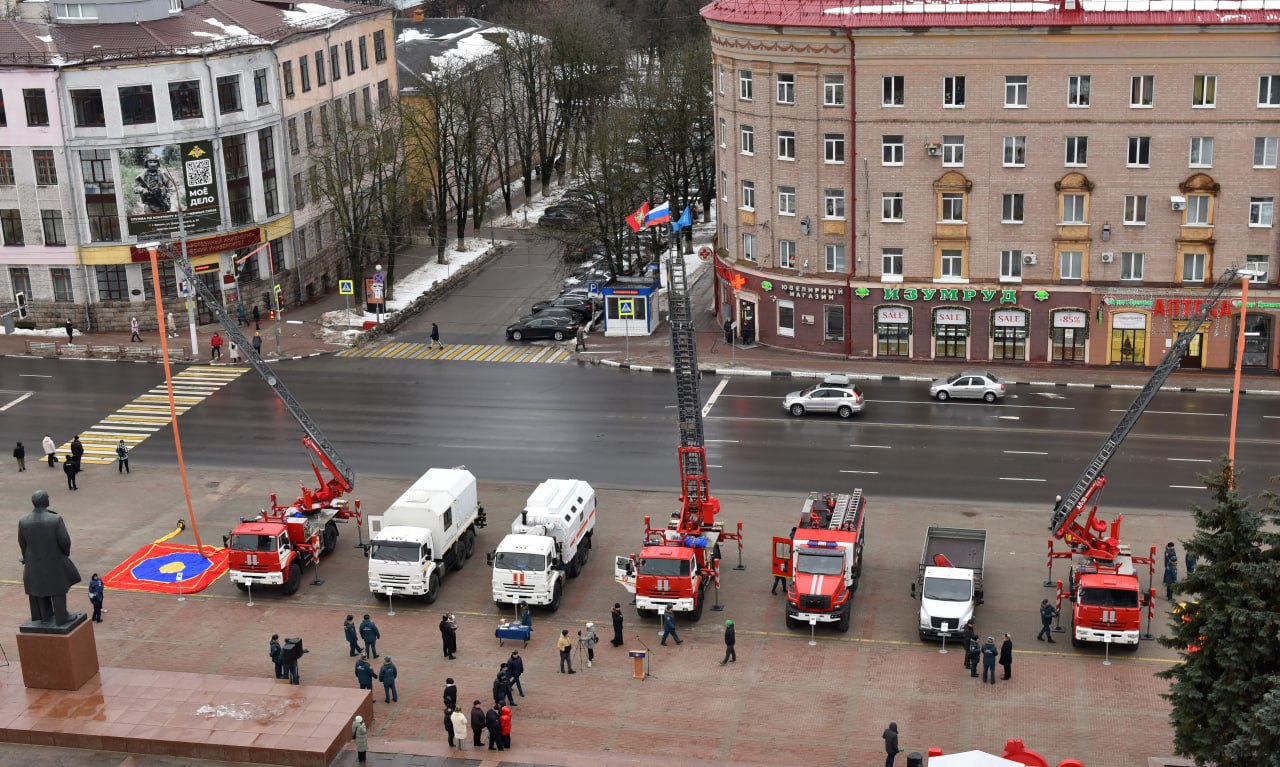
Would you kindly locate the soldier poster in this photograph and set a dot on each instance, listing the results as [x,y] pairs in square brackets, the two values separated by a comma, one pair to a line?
[159,179]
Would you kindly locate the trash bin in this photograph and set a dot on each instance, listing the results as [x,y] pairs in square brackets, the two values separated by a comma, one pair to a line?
[914,759]
[638,658]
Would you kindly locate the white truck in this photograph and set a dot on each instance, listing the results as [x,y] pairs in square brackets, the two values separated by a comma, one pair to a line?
[428,531]
[950,579]
[549,540]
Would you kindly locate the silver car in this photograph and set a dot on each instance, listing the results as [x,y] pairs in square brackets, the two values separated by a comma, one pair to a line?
[971,384]
[834,395]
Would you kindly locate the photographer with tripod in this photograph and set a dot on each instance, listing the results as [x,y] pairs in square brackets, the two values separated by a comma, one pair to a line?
[589,641]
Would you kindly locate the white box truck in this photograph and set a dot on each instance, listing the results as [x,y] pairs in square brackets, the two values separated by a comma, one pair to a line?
[428,531]
[549,540]
[950,579]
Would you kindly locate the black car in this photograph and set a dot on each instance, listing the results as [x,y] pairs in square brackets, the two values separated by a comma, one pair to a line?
[539,326]
[581,305]
[562,218]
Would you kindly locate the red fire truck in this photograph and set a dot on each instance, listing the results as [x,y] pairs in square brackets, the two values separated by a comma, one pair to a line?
[822,561]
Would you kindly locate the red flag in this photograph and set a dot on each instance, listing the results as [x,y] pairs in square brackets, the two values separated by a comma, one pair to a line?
[636,220]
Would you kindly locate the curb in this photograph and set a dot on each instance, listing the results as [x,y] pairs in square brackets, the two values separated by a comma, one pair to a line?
[175,362]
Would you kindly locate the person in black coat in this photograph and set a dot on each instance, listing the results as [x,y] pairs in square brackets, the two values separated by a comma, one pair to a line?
[974,653]
[448,724]
[493,721]
[77,449]
[71,468]
[477,723]
[387,675]
[450,695]
[277,656]
[967,637]
[448,637]
[370,634]
[890,743]
[730,637]
[20,453]
[353,639]
[364,674]
[515,668]
[1006,656]
[616,614]
[502,688]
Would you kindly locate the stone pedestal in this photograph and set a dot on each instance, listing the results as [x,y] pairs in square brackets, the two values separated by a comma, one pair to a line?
[58,661]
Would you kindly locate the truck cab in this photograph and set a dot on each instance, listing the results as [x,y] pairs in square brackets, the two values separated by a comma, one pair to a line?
[549,540]
[947,601]
[526,568]
[822,583]
[674,577]
[1106,605]
[260,554]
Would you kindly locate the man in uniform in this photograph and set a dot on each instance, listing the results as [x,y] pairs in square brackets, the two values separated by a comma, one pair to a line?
[1047,614]
[155,187]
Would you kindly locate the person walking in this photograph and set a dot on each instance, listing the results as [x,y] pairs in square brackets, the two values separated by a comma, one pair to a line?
[122,458]
[580,340]
[565,645]
[526,615]
[1047,614]
[448,636]
[501,687]
[477,723]
[277,656]
[387,675]
[50,450]
[728,331]
[257,341]
[780,578]
[974,651]
[592,640]
[493,723]
[1170,576]
[133,328]
[370,634]
[616,615]
[968,636]
[241,319]
[20,455]
[257,318]
[71,469]
[171,326]
[989,653]
[669,628]
[215,343]
[1006,656]
[891,749]
[360,734]
[515,669]
[353,639]
[504,726]
[450,694]
[95,597]
[448,724]
[459,728]
[730,637]
[77,450]
[435,337]
[234,349]
[364,674]
[71,331]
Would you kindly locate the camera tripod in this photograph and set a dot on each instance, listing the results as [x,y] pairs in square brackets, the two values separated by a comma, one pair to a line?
[580,652]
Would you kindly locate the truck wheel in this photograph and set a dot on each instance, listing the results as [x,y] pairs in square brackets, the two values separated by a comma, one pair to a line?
[845,619]
[575,564]
[456,556]
[433,589]
[558,592]
[469,544]
[329,541]
[242,586]
[1075,642]
[696,614]
[293,579]
[792,623]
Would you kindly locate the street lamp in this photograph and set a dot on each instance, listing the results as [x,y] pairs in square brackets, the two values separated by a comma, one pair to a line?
[377,292]
[1245,275]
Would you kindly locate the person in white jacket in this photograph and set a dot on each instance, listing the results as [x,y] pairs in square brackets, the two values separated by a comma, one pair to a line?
[459,728]
[49,449]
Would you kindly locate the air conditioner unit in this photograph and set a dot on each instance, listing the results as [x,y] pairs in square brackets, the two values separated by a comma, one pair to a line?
[1108,257]
[1177,203]
[933,150]
[1029,259]
[806,319]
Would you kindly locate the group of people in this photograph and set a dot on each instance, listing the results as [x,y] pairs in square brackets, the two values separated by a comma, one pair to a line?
[71,465]
[987,654]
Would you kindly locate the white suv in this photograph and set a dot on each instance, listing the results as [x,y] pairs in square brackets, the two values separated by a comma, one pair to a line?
[834,395]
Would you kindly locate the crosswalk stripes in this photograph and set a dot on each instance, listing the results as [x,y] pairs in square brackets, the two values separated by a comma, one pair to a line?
[149,413]
[461,352]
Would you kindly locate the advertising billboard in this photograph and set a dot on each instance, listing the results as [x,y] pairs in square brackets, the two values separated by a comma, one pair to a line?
[159,179]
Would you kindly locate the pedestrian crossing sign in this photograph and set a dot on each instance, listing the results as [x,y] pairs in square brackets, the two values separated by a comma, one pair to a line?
[627,308]
[347,287]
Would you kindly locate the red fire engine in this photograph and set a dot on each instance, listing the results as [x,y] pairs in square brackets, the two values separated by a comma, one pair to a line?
[822,561]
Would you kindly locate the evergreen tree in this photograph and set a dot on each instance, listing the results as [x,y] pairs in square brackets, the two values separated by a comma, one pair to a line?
[1226,690]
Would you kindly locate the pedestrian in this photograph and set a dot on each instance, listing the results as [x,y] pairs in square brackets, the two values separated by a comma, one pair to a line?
[967,637]
[730,636]
[450,694]
[592,640]
[448,636]
[172,326]
[780,578]
[515,669]
[493,722]
[364,674]
[77,450]
[257,318]
[459,728]
[989,654]
[370,634]
[435,337]
[291,668]
[387,675]
[1170,576]
[215,343]
[257,340]
[71,469]
[122,458]
[477,723]
[353,639]
[748,331]
[20,455]
[240,318]
[1006,656]
[95,597]
[277,656]
[133,328]
[1192,559]
[616,615]
[1170,553]
[1047,614]
[501,687]
[728,331]
[565,645]
[448,724]
[49,450]
[360,734]
[71,331]
[669,628]
[504,724]
[526,615]
[234,349]
[974,652]
[580,340]
[891,749]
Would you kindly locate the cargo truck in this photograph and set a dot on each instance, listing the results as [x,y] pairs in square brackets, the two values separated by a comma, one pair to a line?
[549,541]
[950,580]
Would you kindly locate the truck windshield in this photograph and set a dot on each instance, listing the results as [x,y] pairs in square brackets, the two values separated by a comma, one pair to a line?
[947,590]
[518,560]
[667,568]
[253,543]
[1108,597]
[395,551]
[819,564]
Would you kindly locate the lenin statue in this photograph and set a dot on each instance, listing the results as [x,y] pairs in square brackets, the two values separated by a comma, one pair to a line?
[47,572]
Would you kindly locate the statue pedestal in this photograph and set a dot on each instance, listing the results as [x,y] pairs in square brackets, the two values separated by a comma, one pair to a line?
[58,661]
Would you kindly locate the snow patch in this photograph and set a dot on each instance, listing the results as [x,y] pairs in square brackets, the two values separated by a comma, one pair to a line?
[313,13]
[245,711]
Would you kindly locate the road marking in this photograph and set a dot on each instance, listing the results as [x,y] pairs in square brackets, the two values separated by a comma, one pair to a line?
[461,352]
[715,395]
[16,401]
[34,375]
[1050,395]
[731,441]
[1025,452]
[967,404]
[854,471]
[1173,412]
[1009,417]
[1271,416]
[1191,460]
[875,447]
[714,466]
[1022,479]
[1188,487]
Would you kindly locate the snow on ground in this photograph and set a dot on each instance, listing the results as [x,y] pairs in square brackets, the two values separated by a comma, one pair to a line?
[530,213]
[59,333]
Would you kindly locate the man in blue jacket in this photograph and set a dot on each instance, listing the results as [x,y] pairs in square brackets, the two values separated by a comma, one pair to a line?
[364,674]
[353,640]
[370,634]
[387,675]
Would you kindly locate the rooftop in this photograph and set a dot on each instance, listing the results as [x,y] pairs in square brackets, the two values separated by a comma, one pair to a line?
[425,48]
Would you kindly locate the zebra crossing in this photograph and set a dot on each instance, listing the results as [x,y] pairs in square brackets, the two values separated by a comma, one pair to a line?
[461,352]
[149,413]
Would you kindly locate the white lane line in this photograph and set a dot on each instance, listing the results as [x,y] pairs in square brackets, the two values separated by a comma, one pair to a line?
[32,375]
[1025,452]
[875,447]
[16,401]
[1022,479]
[959,402]
[1191,460]
[751,396]
[854,471]
[1271,416]
[1173,412]
[1188,487]
[714,466]
[715,395]
[733,441]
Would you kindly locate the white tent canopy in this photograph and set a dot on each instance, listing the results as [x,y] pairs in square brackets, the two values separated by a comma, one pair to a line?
[972,759]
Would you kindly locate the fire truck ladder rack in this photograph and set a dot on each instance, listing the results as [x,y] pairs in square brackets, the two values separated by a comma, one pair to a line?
[684,357]
[846,509]
[1091,480]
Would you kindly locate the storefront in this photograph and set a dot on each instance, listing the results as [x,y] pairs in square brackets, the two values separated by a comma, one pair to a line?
[1009,335]
[951,333]
[893,332]
[1128,342]
[1141,329]
[1068,331]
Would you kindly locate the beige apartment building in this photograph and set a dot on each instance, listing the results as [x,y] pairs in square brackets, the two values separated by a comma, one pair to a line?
[1043,182]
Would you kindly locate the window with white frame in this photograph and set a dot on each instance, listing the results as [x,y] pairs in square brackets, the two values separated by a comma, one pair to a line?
[724,133]
[720,79]
[1193,267]
[953,91]
[1261,210]
[786,145]
[953,207]
[786,88]
[833,147]
[1015,151]
[1011,205]
[1077,151]
[786,200]
[724,186]
[1259,263]
[891,206]
[1139,152]
[1198,210]
[1131,265]
[744,85]
[1011,264]
[953,151]
[1070,264]
[749,195]
[79,11]
[1269,91]
[892,150]
[787,254]
[746,139]
[891,261]
[833,200]
[1204,91]
[835,258]
[1015,92]
[893,90]
[1078,91]
[749,247]
[953,263]
[1201,155]
[1135,209]
[1265,150]
[833,90]
[1073,208]
[1142,91]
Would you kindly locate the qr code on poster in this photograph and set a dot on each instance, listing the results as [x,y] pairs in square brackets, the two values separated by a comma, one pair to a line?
[199,172]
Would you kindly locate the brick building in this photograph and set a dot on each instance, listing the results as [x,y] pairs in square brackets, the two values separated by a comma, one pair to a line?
[1047,182]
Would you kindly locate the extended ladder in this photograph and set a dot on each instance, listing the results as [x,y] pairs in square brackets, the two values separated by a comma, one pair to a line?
[684,358]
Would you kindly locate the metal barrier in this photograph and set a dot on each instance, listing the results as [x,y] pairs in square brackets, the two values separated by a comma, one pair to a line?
[42,348]
[73,350]
[104,352]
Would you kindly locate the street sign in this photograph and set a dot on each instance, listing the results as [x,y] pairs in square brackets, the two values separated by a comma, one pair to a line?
[704,253]
[347,287]
[377,291]
[184,288]
[627,308]
[378,278]
[593,288]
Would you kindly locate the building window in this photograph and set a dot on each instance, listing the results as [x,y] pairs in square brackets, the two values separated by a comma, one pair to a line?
[834,203]
[1264,151]
[335,63]
[1135,209]
[891,262]
[61,279]
[953,91]
[286,74]
[720,79]
[293,135]
[1258,263]
[1193,267]
[1015,91]
[1078,91]
[1077,151]
[1139,152]
[833,90]
[892,150]
[37,106]
[20,278]
[100,196]
[724,186]
[184,99]
[1204,91]
[749,195]
[46,168]
[74,11]
[786,200]
[1070,264]
[835,258]
[747,139]
[891,206]
[1131,266]
[953,207]
[137,105]
[1261,211]
[1142,91]
[261,92]
[1269,91]
[299,192]
[384,95]
[1198,210]
[6,167]
[833,147]
[4,118]
[324,122]
[364,53]
[953,151]
[1015,151]
[787,254]
[320,79]
[724,133]
[1073,208]
[86,106]
[379,46]
[1011,208]
[309,128]
[786,145]
[832,322]
[749,247]
[235,159]
[349,51]
[367,99]
[893,90]
[953,263]
[1011,264]
[267,159]
[51,225]
[744,85]
[11,227]
[786,89]
[113,283]
[304,73]
[1201,152]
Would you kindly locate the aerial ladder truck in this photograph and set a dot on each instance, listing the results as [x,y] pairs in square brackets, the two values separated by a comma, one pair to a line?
[1102,587]
[680,561]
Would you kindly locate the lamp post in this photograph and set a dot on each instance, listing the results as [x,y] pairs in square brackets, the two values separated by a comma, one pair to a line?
[275,294]
[378,292]
[1245,275]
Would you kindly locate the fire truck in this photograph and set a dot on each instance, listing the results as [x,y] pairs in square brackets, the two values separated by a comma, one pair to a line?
[680,562]
[1103,587]
[822,561]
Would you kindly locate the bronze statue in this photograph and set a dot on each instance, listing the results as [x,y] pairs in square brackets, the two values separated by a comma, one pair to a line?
[48,572]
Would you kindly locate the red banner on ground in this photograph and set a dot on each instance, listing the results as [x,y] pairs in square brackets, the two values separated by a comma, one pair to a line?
[168,568]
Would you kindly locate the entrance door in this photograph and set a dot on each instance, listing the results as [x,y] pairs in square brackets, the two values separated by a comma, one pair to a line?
[747,321]
[1193,358]
[1128,346]
[1257,340]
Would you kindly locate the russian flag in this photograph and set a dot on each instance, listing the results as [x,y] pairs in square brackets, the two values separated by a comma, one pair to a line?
[659,215]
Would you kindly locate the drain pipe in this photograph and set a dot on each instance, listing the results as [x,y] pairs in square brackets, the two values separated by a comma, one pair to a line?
[853,192]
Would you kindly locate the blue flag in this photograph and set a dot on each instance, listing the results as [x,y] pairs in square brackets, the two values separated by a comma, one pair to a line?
[683,221]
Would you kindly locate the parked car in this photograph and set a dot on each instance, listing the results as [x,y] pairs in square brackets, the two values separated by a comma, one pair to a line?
[584,306]
[539,326]
[596,299]
[563,218]
[970,384]
[834,395]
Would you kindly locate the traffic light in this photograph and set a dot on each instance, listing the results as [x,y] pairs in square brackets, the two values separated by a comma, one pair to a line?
[271,314]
